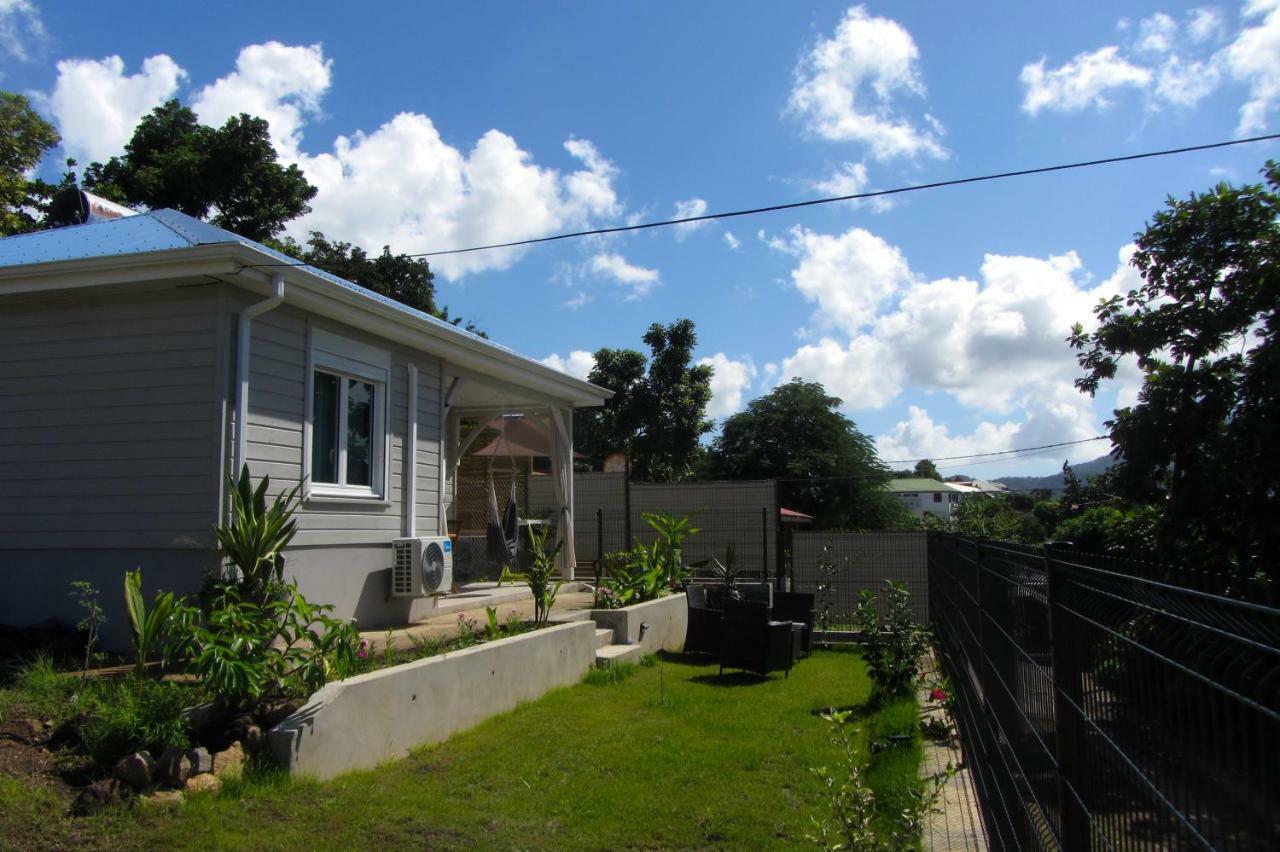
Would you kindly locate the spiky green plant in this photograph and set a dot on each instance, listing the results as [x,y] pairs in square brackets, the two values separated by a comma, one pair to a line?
[255,535]
[540,573]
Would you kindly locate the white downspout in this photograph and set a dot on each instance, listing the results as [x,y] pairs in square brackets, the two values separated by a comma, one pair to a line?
[409,489]
[243,334]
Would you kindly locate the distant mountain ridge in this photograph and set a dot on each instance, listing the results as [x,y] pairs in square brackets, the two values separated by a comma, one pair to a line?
[1054,481]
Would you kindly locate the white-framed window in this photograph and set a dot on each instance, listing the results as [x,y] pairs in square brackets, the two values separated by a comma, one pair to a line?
[345,451]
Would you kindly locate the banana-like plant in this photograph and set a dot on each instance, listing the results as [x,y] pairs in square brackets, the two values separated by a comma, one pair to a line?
[256,534]
[667,555]
[153,627]
[539,575]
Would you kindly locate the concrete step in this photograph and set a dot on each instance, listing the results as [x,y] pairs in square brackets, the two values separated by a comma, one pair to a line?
[568,616]
[612,654]
[603,638]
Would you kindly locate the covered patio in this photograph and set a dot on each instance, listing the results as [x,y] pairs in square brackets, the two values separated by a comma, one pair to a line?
[509,433]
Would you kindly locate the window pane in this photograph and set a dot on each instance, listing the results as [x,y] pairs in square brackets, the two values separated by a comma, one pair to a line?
[359,432]
[324,428]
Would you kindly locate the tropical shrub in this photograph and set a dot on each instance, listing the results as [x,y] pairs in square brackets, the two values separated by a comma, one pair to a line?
[666,555]
[254,537]
[540,575]
[633,577]
[894,642]
[246,649]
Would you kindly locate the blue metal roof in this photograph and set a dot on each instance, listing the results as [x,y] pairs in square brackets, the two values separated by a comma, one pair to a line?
[162,230]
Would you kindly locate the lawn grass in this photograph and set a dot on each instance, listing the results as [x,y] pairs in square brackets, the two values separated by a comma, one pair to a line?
[666,756]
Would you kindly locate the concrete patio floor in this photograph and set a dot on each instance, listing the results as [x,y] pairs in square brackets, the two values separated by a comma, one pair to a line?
[470,602]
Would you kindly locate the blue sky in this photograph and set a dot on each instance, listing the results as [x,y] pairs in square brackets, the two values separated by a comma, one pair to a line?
[938,318]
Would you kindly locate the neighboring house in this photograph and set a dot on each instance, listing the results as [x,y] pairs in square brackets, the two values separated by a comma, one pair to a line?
[925,496]
[131,351]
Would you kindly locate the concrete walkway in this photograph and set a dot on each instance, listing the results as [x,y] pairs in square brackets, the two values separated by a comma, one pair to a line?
[470,602]
[955,826]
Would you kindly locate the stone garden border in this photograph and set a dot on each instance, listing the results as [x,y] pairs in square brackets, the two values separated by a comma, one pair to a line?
[668,620]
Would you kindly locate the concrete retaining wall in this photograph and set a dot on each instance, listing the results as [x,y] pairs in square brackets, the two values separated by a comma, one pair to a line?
[362,721]
[668,620]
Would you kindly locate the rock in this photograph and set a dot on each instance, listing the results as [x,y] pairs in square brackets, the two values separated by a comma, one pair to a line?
[134,769]
[201,760]
[174,768]
[206,715]
[199,784]
[97,796]
[254,739]
[229,762]
[70,734]
[162,799]
[273,713]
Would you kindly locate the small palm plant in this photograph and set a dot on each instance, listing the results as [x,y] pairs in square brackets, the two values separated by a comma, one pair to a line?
[540,575]
[161,625]
[256,534]
[727,574]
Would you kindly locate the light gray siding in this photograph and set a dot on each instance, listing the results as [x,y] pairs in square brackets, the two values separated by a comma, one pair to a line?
[109,420]
[276,422]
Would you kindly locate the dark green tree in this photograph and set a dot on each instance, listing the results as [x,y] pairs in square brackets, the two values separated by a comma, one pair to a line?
[1202,327]
[408,280]
[657,415]
[927,470]
[796,432]
[24,139]
[230,172]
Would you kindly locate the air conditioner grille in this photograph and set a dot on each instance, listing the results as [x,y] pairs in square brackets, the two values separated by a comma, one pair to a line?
[402,569]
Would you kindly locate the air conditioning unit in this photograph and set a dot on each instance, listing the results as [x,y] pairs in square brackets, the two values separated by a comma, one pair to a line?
[421,567]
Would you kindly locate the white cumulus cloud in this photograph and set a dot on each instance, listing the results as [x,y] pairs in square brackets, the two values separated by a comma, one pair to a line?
[848,275]
[97,106]
[733,242]
[986,341]
[1084,82]
[729,381]
[577,363]
[1253,58]
[846,87]
[281,83]
[611,266]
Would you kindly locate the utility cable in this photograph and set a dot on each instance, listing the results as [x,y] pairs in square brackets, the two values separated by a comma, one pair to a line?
[773,208]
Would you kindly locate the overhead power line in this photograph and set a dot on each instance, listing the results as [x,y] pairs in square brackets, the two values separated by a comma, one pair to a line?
[1001,452]
[794,205]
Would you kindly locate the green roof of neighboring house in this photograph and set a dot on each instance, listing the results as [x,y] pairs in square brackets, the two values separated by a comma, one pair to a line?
[917,485]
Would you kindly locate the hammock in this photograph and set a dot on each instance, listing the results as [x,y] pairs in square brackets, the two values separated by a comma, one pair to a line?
[503,533]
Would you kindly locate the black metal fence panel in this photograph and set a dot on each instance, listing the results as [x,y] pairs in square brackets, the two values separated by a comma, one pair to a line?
[837,566]
[1101,709]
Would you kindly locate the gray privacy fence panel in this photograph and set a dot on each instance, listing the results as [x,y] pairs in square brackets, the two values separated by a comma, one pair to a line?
[743,515]
[837,566]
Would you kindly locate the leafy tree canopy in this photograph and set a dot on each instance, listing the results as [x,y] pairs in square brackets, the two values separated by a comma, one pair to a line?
[1202,327]
[924,469]
[796,432]
[228,174]
[408,280]
[658,412]
[24,139]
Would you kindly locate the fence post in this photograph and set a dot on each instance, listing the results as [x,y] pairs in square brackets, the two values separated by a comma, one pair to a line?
[626,507]
[599,545]
[779,541]
[1068,695]
[764,542]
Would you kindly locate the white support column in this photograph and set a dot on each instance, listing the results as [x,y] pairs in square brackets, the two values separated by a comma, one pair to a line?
[562,473]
